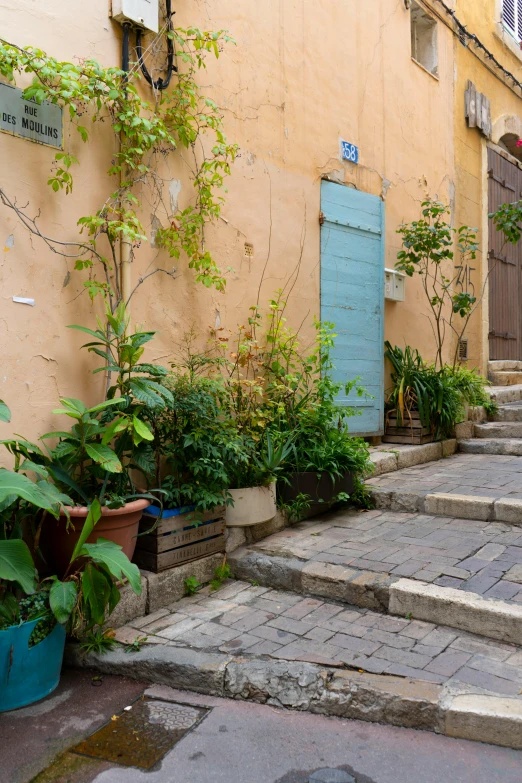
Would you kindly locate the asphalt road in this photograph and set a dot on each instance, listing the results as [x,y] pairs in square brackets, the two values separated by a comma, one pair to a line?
[236,742]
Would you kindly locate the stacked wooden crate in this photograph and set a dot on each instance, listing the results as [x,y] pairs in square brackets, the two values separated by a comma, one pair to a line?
[409,430]
[179,538]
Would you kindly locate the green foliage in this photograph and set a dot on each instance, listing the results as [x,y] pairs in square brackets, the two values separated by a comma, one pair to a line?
[296,509]
[136,645]
[221,573]
[428,250]
[5,413]
[508,220]
[98,641]
[285,400]
[438,395]
[192,586]
[196,438]
[144,133]
[361,496]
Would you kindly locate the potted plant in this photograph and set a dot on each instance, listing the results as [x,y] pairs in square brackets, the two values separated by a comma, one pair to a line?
[195,445]
[96,457]
[424,403]
[33,614]
[253,487]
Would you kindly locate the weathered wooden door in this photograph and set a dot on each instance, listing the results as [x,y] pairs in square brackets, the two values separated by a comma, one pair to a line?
[352,295]
[505,265]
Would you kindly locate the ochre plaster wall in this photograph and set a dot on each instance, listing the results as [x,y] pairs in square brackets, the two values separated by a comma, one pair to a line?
[301,76]
[471,204]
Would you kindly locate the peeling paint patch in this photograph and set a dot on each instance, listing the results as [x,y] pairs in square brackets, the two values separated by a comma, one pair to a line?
[250,158]
[386,183]
[174,191]
[9,243]
[155,225]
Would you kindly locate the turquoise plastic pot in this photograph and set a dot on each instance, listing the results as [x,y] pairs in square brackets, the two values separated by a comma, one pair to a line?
[28,674]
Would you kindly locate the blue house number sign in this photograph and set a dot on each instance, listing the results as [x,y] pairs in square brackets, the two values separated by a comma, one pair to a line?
[350,152]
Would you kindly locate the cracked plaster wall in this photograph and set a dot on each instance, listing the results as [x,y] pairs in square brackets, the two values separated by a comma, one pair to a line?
[471,146]
[301,76]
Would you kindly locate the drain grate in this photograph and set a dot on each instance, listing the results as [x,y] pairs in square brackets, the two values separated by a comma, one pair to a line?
[142,735]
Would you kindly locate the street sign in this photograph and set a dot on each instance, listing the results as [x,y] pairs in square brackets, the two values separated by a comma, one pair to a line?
[27,119]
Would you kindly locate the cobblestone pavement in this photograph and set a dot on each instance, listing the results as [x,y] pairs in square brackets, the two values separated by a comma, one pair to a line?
[486,475]
[251,620]
[481,557]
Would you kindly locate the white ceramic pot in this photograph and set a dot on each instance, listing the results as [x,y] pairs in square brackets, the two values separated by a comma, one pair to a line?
[252,506]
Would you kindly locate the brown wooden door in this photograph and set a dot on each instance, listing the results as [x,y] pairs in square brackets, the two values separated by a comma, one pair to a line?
[505,265]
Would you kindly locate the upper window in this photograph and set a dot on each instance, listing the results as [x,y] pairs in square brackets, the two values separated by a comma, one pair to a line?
[424,38]
[512,17]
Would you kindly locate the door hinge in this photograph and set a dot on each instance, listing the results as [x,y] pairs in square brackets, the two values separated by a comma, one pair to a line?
[503,335]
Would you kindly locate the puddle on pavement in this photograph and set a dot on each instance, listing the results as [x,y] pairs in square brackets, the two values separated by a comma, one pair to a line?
[142,735]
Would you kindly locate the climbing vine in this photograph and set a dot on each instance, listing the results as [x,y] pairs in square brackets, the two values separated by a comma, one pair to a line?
[146,132]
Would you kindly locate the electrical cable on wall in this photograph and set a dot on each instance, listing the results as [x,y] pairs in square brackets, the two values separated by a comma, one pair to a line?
[161,83]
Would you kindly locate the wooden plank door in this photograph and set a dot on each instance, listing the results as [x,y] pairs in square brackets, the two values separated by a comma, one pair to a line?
[505,264]
[352,296]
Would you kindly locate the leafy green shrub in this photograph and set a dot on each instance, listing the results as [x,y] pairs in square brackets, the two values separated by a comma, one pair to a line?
[438,395]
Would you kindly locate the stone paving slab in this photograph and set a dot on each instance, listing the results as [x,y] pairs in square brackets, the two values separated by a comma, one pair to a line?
[481,557]
[334,635]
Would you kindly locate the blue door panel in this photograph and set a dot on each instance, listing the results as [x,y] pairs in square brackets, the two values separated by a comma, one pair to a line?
[352,296]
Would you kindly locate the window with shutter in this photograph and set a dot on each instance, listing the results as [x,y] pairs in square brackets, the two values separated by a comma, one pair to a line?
[512,17]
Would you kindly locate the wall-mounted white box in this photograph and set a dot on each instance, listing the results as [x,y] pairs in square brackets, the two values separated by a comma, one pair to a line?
[144,13]
[394,285]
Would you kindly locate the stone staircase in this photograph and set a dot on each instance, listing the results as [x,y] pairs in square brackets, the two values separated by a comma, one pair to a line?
[502,435]
[506,377]
[409,614]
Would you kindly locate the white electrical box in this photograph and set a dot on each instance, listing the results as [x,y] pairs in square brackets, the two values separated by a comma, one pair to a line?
[143,13]
[394,285]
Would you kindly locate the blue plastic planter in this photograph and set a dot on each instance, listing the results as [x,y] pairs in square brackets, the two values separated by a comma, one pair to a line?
[28,674]
[154,511]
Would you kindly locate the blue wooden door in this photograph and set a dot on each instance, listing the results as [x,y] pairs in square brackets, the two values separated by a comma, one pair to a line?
[352,296]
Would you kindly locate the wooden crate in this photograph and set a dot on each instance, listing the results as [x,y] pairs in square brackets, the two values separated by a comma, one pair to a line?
[410,432]
[177,540]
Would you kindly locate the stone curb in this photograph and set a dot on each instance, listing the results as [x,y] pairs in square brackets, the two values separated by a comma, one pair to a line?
[326,580]
[495,430]
[505,394]
[484,509]
[396,701]
[506,446]
[458,609]
[388,460]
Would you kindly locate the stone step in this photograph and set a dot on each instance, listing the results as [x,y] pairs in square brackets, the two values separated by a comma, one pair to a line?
[482,445]
[464,506]
[498,430]
[510,412]
[505,394]
[272,646]
[504,364]
[506,378]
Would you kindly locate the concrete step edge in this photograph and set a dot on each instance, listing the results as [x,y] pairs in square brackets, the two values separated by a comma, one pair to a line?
[320,689]
[505,394]
[474,507]
[492,618]
[502,446]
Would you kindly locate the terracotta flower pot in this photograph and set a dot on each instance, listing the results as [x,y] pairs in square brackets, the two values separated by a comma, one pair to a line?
[116,524]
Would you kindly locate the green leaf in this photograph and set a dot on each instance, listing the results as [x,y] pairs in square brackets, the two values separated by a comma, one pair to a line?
[98,333]
[40,470]
[105,404]
[5,413]
[16,564]
[19,485]
[62,599]
[141,429]
[96,592]
[111,555]
[104,456]
[88,526]
[116,426]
